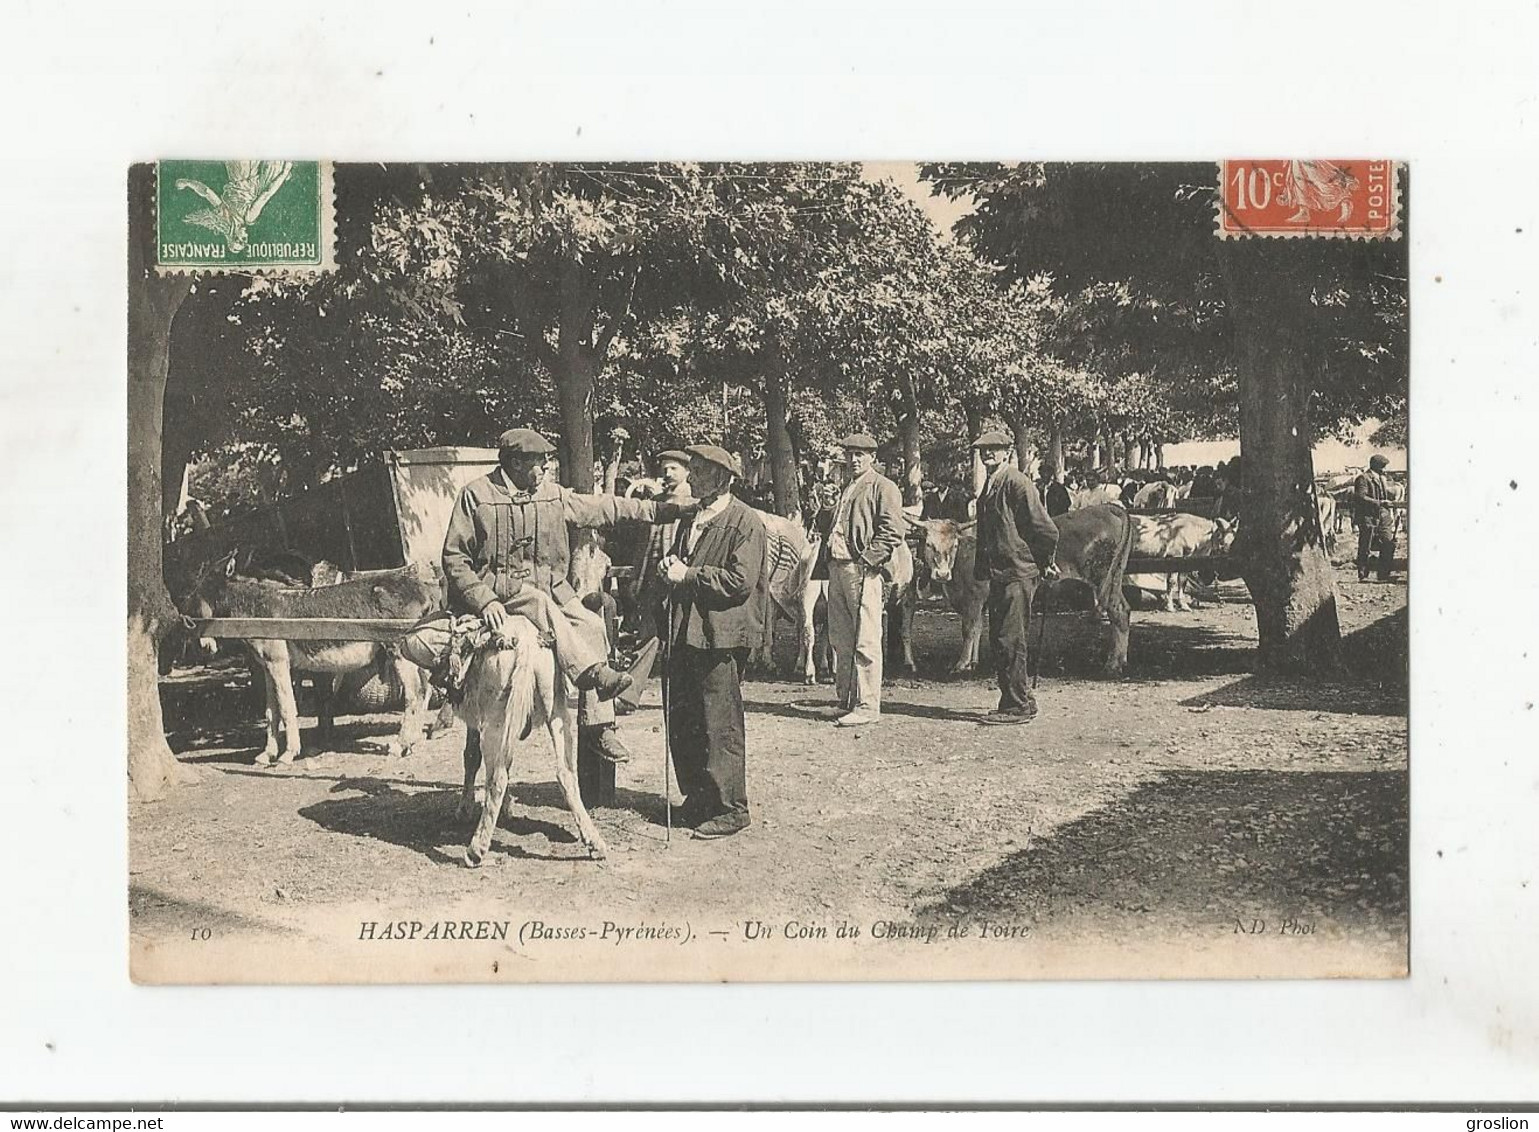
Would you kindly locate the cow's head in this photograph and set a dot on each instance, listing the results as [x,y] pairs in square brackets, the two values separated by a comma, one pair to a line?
[939,552]
[1222,539]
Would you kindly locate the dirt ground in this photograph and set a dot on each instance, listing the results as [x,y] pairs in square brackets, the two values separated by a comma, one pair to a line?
[1189,803]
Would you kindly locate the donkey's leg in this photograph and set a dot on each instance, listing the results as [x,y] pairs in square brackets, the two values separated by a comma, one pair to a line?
[467,806]
[283,685]
[414,714]
[496,789]
[269,752]
[563,737]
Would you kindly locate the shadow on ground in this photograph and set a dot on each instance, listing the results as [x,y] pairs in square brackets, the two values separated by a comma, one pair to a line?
[426,821]
[1372,678]
[1206,846]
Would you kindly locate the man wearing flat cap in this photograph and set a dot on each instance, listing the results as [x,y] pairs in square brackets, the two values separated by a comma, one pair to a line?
[713,571]
[508,552]
[1016,542]
[1375,522]
[868,525]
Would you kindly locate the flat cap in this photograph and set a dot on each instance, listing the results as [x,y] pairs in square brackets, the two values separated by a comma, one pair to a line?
[994,439]
[677,455]
[718,456]
[1378,462]
[526,441]
[859,441]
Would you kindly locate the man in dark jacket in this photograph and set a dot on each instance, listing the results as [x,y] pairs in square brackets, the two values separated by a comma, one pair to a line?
[1016,540]
[1375,522]
[712,572]
[1056,496]
[508,551]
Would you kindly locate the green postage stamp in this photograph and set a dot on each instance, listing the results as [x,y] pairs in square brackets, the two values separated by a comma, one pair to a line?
[223,216]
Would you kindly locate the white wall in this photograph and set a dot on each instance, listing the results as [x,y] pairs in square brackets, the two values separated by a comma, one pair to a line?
[1329,455]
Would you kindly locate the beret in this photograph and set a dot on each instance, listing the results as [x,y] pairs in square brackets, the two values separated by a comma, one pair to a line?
[526,441]
[711,454]
[994,439]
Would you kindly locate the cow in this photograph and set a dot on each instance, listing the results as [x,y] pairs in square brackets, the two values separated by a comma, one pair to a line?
[1092,496]
[1326,505]
[946,555]
[1093,547]
[789,556]
[1177,535]
[512,686]
[399,593]
[1157,495]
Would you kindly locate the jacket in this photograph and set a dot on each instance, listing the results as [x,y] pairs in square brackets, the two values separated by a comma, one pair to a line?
[499,539]
[717,604]
[1016,535]
[1370,491]
[876,521]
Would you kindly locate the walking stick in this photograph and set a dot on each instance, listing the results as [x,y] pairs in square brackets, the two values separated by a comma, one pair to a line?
[1047,593]
[667,741]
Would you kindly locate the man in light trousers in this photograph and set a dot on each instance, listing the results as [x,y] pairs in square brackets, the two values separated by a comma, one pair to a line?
[868,526]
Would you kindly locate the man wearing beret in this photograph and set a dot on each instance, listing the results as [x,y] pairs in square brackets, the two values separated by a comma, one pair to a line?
[867,527]
[713,570]
[508,551]
[1375,523]
[1016,542]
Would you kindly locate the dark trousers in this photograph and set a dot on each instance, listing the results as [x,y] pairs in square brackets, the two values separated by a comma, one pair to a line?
[1370,537]
[705,728]
[1009,616]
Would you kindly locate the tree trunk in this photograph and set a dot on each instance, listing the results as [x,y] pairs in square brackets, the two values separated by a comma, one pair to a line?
[1136,454]
[152,304]
[782,456]
[913,472]
[1055,449]
[1159,455]
[1287,569]
[1022,442]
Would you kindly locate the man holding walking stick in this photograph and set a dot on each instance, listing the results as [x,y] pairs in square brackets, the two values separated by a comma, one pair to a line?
[712,571]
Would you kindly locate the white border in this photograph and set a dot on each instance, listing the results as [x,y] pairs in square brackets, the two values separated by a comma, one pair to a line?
[87,90]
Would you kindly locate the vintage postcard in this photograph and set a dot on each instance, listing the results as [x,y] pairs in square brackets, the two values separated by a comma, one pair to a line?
[704,571]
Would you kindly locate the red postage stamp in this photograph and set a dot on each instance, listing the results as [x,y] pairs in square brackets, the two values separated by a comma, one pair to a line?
[1332,199]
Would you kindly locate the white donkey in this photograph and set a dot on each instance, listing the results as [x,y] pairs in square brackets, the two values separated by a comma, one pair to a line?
[513,687]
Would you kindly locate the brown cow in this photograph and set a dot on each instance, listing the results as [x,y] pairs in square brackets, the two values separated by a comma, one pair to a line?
[947,554]
[391,594]
[1093,547]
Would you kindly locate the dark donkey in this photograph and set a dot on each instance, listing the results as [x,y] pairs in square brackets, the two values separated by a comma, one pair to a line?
[402,593]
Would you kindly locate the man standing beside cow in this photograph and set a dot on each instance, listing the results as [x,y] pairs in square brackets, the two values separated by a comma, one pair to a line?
[1016,542]
[1375,521]
[868,526]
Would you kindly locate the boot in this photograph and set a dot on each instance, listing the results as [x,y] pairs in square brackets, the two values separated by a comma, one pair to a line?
[604,680]
[605,742]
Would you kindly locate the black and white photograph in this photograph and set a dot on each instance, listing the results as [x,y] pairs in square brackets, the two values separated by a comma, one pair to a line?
[687,571]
